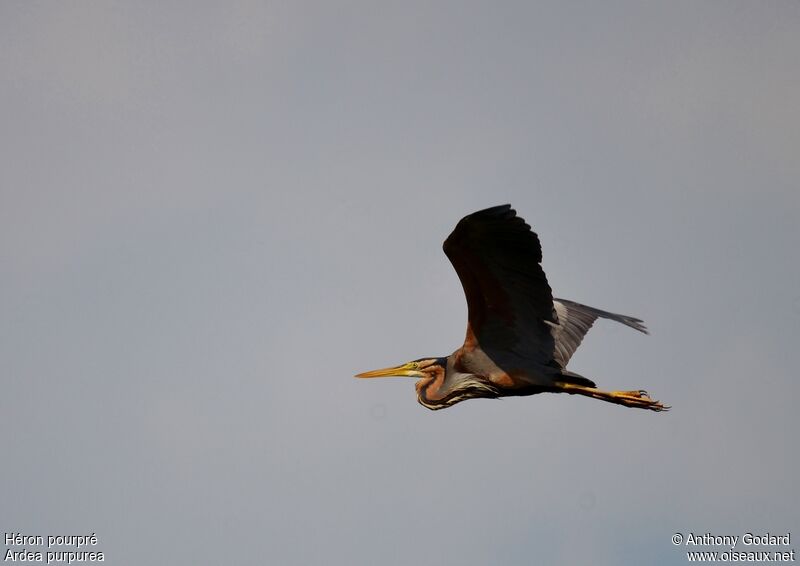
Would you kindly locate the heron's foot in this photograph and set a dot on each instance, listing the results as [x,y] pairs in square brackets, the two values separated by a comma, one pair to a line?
[638,399]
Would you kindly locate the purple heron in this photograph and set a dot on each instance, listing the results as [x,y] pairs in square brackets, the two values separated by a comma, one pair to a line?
[519,338]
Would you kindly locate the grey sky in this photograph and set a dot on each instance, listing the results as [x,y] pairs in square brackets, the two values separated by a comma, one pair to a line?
[213,214]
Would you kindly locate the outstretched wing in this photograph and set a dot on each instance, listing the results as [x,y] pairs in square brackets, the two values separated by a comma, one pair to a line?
[575,320]
[497,258]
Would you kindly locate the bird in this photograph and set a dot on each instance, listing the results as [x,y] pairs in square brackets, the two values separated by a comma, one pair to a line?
[519,338]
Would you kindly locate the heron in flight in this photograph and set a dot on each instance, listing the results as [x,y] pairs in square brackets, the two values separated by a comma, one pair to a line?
[519,338]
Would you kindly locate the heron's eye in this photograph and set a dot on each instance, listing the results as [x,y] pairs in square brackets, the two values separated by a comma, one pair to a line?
[413,365]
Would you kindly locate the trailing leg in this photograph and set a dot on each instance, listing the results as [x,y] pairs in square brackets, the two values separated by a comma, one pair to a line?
[638,399]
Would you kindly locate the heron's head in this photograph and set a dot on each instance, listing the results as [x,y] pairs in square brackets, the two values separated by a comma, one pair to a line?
[422,368]
[435,388]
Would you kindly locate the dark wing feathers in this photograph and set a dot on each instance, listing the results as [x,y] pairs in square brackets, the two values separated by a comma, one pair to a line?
[497,257]
[511,308]
[575,320]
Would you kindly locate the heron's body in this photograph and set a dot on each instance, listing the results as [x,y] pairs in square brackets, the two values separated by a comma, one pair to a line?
[519,338]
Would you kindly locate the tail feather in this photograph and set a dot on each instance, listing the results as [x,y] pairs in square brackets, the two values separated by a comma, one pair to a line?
[572,377]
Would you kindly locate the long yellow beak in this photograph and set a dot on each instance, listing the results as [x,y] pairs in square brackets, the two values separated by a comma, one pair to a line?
[406,370]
